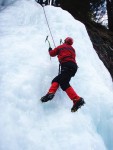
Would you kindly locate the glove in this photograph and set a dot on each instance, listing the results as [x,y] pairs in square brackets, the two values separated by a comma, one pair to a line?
[49,49]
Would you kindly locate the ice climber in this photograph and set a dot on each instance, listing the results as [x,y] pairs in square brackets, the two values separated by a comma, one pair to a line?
[67,58]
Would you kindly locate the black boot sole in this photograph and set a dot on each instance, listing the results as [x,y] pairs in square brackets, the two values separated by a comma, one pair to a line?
[46,99]
[81,103]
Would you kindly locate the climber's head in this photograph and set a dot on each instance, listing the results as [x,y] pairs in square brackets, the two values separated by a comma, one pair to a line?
[69,41]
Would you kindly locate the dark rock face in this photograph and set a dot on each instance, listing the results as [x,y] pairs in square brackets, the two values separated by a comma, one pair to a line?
[102,40]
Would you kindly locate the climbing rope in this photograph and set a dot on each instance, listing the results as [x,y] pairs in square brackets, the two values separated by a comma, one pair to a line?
[49,26]
[51,36]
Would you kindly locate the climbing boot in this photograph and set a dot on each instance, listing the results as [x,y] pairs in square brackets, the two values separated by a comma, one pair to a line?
[47,97]
[77,104]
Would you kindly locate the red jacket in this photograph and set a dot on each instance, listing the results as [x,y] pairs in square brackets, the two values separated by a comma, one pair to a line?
[64,53]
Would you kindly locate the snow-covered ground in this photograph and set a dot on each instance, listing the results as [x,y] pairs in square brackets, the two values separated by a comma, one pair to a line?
[26,72]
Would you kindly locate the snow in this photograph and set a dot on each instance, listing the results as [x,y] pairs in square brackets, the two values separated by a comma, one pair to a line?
[26,71]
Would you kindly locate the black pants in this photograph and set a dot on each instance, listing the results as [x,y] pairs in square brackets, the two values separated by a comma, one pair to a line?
[68,70]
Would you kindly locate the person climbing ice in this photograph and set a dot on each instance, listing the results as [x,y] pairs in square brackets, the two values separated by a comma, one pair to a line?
[67,58]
